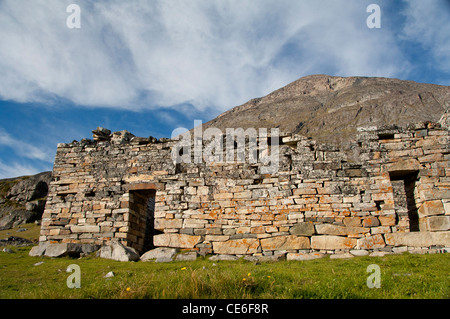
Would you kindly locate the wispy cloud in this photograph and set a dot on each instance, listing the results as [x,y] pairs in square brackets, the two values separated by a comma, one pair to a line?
[23,149]
[16,169]
[427,23]
[211,54]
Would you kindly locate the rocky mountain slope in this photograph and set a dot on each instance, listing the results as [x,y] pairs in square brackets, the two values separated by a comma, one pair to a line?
[329,109]
[22,199]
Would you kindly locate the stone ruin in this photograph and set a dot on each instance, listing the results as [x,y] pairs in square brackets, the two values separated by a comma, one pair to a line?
[389,193]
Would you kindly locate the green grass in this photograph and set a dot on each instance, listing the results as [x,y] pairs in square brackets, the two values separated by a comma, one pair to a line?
[31,233]
[402,276]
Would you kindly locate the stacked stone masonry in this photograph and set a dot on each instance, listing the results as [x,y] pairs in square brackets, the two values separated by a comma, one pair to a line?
[389,189]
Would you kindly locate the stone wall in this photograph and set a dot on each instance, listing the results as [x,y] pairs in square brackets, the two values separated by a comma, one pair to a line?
[389,189]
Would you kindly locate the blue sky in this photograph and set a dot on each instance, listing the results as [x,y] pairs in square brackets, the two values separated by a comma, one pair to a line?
[152,66]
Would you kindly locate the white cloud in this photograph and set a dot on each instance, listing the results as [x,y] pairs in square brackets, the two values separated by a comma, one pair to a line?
[141,54]
[427,23]
[23,149]
[15,170]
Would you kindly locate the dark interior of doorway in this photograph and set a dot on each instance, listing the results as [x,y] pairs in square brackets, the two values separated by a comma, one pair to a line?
[404,185]
[142,207]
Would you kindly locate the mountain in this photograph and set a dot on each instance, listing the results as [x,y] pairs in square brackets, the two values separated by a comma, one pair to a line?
[329,109]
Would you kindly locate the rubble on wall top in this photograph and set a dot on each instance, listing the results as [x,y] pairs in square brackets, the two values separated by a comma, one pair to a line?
[101,134]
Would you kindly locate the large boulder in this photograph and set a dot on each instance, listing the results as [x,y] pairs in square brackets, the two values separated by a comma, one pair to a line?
[117,251]
[15,217]
[62,249]
[160,254]
[101,134]
[31,188]
[38,251]
[15,241]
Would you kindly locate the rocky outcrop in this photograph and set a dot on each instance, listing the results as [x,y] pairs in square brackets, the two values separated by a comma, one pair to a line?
[62,249]
[22,200]
[30,188]
[115,250]
[160,254]
[445,119]
[15,241]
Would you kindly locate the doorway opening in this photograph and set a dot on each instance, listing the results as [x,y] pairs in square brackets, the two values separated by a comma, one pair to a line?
[404,186]
[142,219]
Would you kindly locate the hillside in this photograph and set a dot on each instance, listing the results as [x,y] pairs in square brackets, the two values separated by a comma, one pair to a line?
[22,199]
[329,108]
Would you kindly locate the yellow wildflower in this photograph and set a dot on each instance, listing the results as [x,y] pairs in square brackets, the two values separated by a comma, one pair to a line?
[184,268]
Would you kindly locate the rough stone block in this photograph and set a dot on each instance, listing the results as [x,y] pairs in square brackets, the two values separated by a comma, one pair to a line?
[303,229]
[330,229]
[418,239]
[352,221]
[85,229]
[342,256]
[176,240]
[223,196]
[447,208]
[304,191]
[64,249]
[285,243]
[223,257]
[161,224]
[380,230]
[371,242]
[194,223]
[159,253]
[209,238]
[304,256]
[332,242]
[39,250]
[382,196]
[434,194]
[115,250]
[404,165]
[387,220]
[359,252]
[242,246]
[370,221]
[188,256]
[429,208]
[438,223]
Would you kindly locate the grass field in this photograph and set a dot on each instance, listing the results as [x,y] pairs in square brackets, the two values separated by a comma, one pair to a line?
[31,232]
[402,276]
